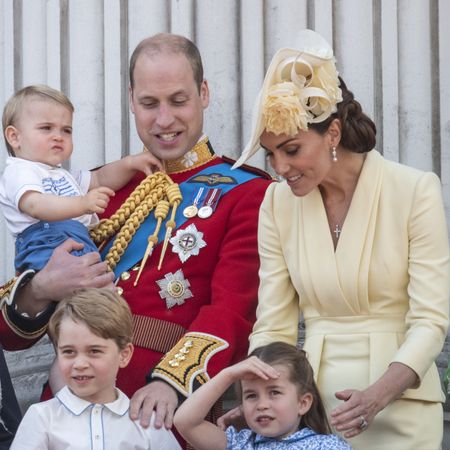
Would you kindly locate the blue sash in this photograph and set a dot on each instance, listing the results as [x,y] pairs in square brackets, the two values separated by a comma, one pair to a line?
[218,176]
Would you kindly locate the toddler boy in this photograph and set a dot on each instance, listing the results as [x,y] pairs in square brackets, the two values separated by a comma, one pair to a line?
[43,203]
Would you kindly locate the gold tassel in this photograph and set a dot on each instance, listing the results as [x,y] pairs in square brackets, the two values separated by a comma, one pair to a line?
[160,213]
[175,197]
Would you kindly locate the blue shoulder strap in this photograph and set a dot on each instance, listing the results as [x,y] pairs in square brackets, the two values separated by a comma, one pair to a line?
[218,176]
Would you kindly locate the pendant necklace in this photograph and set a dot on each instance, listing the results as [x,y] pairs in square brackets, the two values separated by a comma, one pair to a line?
[337,231]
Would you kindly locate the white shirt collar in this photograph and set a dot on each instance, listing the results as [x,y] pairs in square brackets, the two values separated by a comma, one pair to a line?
[77,405]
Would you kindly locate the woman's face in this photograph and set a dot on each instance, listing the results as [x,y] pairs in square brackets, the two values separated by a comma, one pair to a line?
[303,160]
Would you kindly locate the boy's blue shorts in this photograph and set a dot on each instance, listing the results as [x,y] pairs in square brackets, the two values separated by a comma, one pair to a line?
[35,245]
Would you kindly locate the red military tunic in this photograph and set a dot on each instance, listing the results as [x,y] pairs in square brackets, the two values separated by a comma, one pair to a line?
[208,328]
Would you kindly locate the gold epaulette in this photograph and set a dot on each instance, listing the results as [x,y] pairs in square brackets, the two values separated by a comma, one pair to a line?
[187,361]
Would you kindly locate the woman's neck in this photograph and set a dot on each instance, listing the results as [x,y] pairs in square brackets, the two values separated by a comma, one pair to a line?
[340,184]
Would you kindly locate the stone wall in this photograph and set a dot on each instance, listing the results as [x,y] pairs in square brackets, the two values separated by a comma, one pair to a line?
[29,371]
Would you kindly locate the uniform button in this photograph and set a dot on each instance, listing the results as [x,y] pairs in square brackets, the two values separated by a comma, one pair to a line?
[119,290]
[125,276]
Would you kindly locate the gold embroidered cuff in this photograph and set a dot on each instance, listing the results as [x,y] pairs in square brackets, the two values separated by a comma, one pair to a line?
[188,360]
[21,324]
[8,290]
[32,334]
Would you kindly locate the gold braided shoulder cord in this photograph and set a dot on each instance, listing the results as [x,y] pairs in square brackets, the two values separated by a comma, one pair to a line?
[156,189]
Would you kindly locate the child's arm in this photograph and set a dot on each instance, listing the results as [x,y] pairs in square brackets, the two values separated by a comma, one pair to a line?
[117,174]
[51,207]
[190,418]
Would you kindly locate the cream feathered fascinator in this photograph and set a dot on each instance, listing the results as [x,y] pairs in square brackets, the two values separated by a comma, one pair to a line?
[301,86]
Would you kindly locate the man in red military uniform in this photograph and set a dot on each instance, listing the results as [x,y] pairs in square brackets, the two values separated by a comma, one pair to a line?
[193,315]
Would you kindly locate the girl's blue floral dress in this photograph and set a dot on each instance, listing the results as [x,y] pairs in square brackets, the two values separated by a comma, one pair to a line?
[304,439]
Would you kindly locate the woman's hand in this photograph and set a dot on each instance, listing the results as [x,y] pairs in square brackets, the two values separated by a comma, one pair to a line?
[357,412]
[361,407]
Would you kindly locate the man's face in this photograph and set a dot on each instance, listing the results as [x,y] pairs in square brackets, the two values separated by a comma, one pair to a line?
[167,106]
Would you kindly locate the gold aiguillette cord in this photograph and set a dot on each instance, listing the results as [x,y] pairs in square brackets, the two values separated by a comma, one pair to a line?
[174,195]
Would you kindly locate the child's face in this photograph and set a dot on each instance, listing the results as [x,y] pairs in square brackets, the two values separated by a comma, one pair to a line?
[43,132]
[89,363]
[273,408]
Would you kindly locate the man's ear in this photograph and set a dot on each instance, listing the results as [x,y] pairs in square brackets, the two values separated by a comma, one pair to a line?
[12,135]
[130,98]
[125,355]
[204,94]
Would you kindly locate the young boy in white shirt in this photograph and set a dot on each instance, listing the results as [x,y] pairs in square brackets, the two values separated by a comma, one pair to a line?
[43,203]
[91,332]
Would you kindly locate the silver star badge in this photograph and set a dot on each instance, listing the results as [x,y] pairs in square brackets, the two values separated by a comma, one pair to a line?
[174,288]
[187,242]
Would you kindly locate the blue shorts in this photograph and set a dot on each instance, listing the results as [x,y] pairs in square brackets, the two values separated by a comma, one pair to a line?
[35,245]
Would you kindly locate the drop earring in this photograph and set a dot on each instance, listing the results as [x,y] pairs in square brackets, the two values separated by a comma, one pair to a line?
[334,154]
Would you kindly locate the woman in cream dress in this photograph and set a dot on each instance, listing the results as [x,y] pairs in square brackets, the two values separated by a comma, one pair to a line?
[358,246]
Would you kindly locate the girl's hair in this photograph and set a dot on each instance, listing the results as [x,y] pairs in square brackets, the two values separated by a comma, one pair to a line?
[301,374]
[103,311]
[14,107]
[358,131]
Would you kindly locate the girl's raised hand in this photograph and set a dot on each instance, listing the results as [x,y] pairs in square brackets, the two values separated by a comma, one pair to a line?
[251,368]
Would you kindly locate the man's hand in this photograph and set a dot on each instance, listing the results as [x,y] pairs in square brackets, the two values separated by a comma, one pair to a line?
[61,276]
[158,396]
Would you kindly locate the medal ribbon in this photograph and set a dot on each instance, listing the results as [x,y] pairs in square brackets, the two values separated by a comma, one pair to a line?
[212,198]
[197,198]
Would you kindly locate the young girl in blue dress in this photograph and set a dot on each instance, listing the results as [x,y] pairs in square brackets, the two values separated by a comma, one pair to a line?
[280,403]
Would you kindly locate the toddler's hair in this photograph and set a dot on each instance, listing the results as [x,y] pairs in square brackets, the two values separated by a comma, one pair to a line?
[14,107]
[301,374]
[103,311]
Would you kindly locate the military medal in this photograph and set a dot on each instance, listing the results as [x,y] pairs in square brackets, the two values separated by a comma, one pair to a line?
[205,212]
[192,210]
[187,242]
[210,203]
[174,288]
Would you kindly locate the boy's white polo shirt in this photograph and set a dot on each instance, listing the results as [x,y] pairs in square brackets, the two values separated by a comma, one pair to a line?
[71,423]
